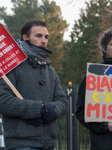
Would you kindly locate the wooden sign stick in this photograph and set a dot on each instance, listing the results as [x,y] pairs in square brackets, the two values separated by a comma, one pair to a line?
[12,87]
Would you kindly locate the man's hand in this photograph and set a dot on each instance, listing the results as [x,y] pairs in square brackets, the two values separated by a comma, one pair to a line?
[48,113]
[110,126]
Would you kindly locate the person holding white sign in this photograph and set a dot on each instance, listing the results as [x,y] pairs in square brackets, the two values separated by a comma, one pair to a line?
[100,132]
[30,123]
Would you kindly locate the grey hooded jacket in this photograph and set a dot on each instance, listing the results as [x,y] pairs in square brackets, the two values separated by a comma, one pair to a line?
[17,132]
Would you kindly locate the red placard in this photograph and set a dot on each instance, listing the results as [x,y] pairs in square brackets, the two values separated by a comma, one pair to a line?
[10,53]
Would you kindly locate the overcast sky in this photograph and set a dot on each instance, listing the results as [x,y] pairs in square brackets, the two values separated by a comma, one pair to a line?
[70,11]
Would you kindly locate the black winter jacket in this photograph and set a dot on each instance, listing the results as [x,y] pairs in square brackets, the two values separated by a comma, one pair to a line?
[100,136]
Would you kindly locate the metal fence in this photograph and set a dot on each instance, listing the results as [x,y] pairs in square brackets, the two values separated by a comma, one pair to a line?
[84,138]
[80,135]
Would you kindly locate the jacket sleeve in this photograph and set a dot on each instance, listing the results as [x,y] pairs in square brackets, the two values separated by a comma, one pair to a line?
[12,106]
[59,99]
[95,127]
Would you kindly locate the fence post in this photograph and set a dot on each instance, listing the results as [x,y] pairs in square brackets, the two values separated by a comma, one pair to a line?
[69,117]
[75,122]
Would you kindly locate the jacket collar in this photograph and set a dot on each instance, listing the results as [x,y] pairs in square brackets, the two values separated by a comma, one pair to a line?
[107,61]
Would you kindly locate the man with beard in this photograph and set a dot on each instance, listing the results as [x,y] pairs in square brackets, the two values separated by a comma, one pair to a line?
[30,123]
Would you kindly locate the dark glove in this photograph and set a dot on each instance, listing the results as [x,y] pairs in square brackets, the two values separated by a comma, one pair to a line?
[48,113]
[36,122]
